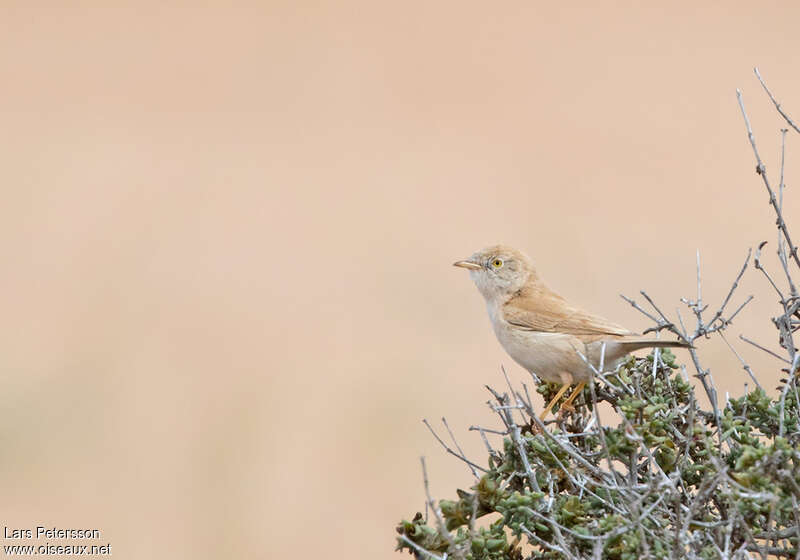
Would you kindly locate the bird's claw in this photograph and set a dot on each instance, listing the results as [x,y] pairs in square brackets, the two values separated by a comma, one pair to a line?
[564,409]
[534,428]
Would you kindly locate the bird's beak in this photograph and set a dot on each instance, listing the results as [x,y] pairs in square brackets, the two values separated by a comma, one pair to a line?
[467,264]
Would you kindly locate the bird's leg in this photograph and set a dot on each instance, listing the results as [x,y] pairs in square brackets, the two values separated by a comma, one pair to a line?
[568,403]
[554,400]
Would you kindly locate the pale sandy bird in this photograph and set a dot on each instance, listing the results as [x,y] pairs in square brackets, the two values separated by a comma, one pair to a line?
[540,330]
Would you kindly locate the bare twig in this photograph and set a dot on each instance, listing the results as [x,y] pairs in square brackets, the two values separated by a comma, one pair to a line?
[437,512]
[781,244]
[789,383]
[721,310]
[775,102]
[767,350]
[420,550]
[741,360]
[759,266]
[639,308]
[762,171]
[472,466]
[516,436]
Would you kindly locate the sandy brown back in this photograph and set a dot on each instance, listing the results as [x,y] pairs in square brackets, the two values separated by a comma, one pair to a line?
[537,308]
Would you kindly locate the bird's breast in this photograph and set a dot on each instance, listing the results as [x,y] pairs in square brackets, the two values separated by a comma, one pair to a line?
[548,355]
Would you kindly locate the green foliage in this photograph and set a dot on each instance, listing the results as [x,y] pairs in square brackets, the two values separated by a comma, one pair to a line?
[662,481]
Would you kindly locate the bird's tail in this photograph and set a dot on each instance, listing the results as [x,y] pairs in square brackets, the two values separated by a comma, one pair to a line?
[637,343]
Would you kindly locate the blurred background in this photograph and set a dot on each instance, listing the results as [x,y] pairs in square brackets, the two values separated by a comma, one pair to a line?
[227,228]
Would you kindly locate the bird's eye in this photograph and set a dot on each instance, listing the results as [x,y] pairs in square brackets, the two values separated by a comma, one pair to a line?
[497,263]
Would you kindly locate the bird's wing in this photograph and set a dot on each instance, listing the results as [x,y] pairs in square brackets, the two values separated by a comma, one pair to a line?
[549,312]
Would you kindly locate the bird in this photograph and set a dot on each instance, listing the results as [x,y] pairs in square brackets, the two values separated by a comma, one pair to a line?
[542,331]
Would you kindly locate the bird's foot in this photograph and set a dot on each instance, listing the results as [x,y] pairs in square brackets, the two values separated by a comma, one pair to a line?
[565,409]
[534,428]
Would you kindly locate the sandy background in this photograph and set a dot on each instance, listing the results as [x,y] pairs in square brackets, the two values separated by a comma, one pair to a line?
[226,233]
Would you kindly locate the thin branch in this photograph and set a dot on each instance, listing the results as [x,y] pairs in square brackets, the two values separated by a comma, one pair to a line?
[699,290]
[789,382]
[781,245]
[571,452]
[639,308]
[472,466]
[516,436]
[741,360]
[653,304]
[762,171]
[437,512]
[421,550]
[775,101]
[767,350]
[489,448]
[461,456]
[721,310]
[730,319]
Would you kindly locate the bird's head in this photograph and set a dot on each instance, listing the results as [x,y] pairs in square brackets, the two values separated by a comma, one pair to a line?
[499,271]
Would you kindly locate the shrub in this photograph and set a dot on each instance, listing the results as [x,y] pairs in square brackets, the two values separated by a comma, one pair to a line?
[668,478]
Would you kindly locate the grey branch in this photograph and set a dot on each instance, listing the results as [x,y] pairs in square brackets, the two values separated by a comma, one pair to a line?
[762,171]
[775,101]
